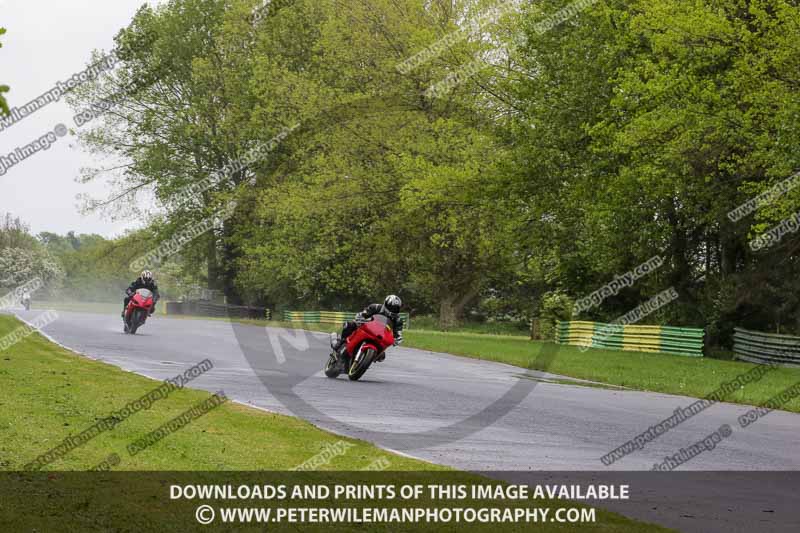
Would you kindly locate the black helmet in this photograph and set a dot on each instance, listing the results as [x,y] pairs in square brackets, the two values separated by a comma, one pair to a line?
[392,305]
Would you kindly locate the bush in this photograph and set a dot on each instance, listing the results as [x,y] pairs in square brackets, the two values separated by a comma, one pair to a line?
[555,305]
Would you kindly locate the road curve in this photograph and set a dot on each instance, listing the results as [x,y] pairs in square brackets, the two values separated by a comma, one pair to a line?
[415,397]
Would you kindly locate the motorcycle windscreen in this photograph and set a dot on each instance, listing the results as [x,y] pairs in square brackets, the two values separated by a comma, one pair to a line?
[382,319]
[145,294]
[380,328]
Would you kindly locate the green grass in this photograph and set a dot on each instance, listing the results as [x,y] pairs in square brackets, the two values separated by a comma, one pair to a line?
[51,393]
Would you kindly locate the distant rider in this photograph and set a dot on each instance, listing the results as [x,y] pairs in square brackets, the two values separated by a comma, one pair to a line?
[390,309]
[144,281]
[26,300]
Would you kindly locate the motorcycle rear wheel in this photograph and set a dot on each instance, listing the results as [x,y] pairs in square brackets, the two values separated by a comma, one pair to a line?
[332,367]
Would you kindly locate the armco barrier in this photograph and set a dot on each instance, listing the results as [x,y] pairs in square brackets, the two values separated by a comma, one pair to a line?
[631,337]
[203,308]
[327,317]
[757,347]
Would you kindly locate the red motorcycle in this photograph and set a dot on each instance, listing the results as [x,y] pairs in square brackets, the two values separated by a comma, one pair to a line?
[366,345]
[139,307]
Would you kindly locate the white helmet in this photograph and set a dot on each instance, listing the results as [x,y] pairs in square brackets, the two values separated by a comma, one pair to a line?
[146,275]
[392,305]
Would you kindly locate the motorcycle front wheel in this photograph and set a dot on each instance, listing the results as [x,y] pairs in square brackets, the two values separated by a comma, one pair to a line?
[137,319]
[361,364]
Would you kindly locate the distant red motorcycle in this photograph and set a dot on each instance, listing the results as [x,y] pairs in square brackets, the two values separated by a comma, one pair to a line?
[139,307]
[366,345]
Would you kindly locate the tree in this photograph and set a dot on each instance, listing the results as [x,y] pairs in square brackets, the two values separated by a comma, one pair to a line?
[14,233]
[172,125]
[19,266]
[381,169]
[648,123]
[3,88]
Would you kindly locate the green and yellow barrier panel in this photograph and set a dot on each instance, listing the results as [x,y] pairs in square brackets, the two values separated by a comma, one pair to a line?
[631,337]
[327,317]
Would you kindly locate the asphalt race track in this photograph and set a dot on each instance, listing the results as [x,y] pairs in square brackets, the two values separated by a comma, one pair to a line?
[469,414]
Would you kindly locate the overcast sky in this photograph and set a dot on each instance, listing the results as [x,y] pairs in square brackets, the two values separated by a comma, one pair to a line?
[48,41]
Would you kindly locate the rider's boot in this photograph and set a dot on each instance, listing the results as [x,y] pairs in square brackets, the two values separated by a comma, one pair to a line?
[336,342]
[338,346]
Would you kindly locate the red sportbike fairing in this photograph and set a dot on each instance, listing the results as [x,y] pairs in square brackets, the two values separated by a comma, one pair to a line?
[362,348]
[138,310]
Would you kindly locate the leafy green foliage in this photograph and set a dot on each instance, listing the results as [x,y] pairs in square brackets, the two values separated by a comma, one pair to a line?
[14,233]
[647,123]
[19,266]
[3,88]
[22,258]
[577,153]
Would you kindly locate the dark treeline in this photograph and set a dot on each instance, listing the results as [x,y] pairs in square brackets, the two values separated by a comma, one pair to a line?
[576,148]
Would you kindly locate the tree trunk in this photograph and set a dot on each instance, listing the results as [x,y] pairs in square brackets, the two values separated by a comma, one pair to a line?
[731,250]
[451,308]
[211,262]
[447,313]
[679,248]
[228,269]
